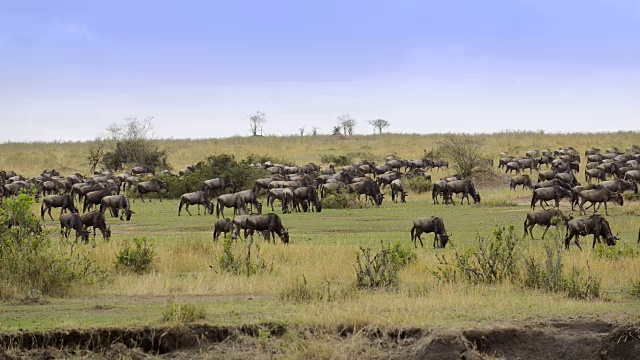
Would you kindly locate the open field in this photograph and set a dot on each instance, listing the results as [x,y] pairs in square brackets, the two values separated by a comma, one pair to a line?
[323,249]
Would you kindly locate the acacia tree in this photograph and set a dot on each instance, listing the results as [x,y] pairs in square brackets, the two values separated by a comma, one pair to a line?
[347,123]
[465,151]
[134,146]
[255,122]
[379,124]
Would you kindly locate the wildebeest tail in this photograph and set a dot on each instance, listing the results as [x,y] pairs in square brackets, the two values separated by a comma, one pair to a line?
[413,229]
[525,227]
[533,199]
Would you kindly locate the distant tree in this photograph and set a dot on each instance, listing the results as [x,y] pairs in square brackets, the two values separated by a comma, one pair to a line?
[301,131]
[347,123]
[255,122]
[314,131]
[95,156]
[336,130]
[379,124]
[134,145]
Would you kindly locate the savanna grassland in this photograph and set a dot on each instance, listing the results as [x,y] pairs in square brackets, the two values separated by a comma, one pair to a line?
[323,250]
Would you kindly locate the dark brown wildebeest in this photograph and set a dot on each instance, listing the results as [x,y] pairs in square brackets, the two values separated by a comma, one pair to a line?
[620,186]
[309,194]
[73,221]
[195,198]
[208,186]
[632,175]
[94,198]
[552,183]
[333,187]
[438,164]
[568,178]
[369,189]
[222,226]
[542,218]
[129,182]
[597,174]
[546,175]
[81,189]
[385,179]
[594,224]
[234,201]
[598,196]
[115,203]
[432,224]
[527,163]
[57,201]
[397,190]
[138,170]
[269,222]
[464,187]
[611,168]
[438,188]
[524,180]
[555,193]
[251,198]
[512,166]
[96,219]
[287,200]
[153,185]
[504,161]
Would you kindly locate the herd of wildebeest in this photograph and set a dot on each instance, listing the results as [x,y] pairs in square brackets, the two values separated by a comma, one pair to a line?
[303,188]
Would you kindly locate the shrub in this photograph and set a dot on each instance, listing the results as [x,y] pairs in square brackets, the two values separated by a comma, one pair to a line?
[341,200]
[137,259]
[383,268]
[418,185]
[580,288]
[30,266]
[632,196]
[232,264]
[499,203]
[338,160]
[613,252]
[494,261]
[550,276]
[635,289]
[183,313]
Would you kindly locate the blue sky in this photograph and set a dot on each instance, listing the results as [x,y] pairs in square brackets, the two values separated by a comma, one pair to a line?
[69,69]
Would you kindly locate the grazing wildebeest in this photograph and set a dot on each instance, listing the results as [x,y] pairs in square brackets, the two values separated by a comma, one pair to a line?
[251,198]
[596,173]
[524,180]
[598,196]
[153,185]
[195,198]
[306,193]
[217,184]
[269,222]
[275,193]
[555,193]
[73,221]
[94,198]
[222,226]
[620,185]
[115,203]
[96,219]
[632,175]
[594,224]
[465,187]
[287,200]
[398,190]
[512,166]
[230,200]
[57,201]
[432,224]
[542,218]
[138,170]
[369,189]
[385,179]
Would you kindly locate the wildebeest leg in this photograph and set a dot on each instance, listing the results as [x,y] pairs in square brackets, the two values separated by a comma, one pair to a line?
[605,209]
[545,231]
[186,208]
[49,212]
[435,240]
[578,242]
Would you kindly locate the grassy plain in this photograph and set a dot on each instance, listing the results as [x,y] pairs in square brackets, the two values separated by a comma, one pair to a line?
[323,250]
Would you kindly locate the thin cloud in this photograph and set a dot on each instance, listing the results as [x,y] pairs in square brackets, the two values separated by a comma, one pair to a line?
[64,31]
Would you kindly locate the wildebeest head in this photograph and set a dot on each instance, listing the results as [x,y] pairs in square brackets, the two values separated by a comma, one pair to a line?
[128,213]
[284,236]
[444,239]
[259,207]
[318,205]
[379,199]
[476,198]
[84,235]
[209,206]
[107,233]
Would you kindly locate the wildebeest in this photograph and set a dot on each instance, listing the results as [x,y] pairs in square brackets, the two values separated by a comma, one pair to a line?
[331,187]
[432,224]
[94,198]
[96,219]
[512,166]
[546,175]
[369,189]
[73,221]
[385,179]
[217,184]
[397,190]
[195,198]
[568,178]
[465,187]
[527,163]
[598,196]
[153,185]
[251,198]
[594,224]
[597,174]
[143,170]
[438,188]
[552,183]
[115,203]
[542,218]
[57,201]
[234,201]
[524,180]
[224,225]
[632,175]
[620,185]
[269,222]
[287,201]
[555,193]
[306,193]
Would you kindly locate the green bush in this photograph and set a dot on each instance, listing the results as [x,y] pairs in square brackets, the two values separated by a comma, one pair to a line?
[632,196]
[582,288]
[614,252]
[635,289]
[341,200]
[418,185]
[382,269]
[138,258]
[183,313]
[233,264]
[494,261]
[30,266]
[548,276]
[338,160]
